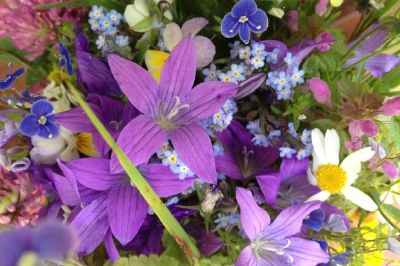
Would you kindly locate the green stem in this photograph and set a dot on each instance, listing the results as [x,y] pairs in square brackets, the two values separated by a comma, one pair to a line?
[167,219]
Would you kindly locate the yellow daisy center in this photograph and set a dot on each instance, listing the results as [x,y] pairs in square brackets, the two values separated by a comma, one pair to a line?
[331,178]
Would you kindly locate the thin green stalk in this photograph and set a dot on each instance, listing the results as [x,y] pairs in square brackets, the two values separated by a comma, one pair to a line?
[167,219]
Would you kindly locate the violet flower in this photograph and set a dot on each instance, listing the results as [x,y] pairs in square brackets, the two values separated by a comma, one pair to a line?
[275,243]
[244,18]
[10,78]
[117,204]
[113,114]
[170,110]
[242,160]
[48,241]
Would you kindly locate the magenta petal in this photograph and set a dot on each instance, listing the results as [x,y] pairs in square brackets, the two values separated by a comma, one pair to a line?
[137,84]
[269,185]
[390,169]
[94,173]
[253,218]
[391,107]
[321,7]
[290,220]
[139,139]
[178,73]
[306,252]
[227,165]
[127,211]
[246,257]
[76,120]
[205,100]
[194,148]
[164,182]
[91,224]
[320,90]
[359,128]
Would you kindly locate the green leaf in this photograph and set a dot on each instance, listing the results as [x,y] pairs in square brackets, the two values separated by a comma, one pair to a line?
[144,25]
[110,4]
[276,12]
[152,260]
[11,54]
[388,83]
[172,249]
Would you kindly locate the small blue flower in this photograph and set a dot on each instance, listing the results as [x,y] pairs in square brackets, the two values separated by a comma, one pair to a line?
[218,150]
[114,17]
[258,49]
[237,72]
[315,220]
[284,93]
[282,81]
[297,77]
[66,59]
[272,57]
[244,17]
[244,52]
[172,201]
[260,140]
[292,130]
[230,220]
[235,48]
[257,62]
[105,24]
[274,134]
[229,107]
[227,77]
[94,24]
[289,59]
[10,78]
[306,137]
[286,152]
[122,41]
[211,73]
[96,12]
[181,169]
[219,118]
[169,158]
[254,127]
[304,152]
[272,79]
[101,42]
[40,122]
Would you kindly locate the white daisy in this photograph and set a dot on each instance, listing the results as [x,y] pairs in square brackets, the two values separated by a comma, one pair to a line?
[332,177]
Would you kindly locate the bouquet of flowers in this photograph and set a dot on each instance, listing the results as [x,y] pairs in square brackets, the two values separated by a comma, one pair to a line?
[183,132]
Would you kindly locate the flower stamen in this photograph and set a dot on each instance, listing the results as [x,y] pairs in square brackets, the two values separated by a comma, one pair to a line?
[331,178]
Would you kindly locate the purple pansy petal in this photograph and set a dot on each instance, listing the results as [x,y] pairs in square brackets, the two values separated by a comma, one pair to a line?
[244,32]
[251,84]
[112,110]
[210,244]
[258,22]
[101,145]
[380,64]
[193,146]
[269,185]
[41,108]
[291,168]
[137,84]
[205,51]
[265,156]
[306,252]
[94,173]
[244,8]
[139,139]
[253,218]
[193,26]
[127,211]
[91,224]
[76,119]
[227,165]
[178,73]
[49,130]
[246,257]
[164,182]
[111,249]
[205,100]
[290,220]
[229,26]
[66,190]
[29,125]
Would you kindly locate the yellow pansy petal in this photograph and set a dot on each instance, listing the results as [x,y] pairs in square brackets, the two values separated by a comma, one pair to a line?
[336,3]
[84,144]
[155,61]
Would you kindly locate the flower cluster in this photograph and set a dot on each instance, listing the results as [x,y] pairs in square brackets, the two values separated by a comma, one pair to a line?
[169,158]
[222,119]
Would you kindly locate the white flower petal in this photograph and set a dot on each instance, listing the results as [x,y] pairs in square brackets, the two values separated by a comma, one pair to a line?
[316,163]
[311,177]
[359,198]
[318,142]
[321,196]
[332,146]
[352,163]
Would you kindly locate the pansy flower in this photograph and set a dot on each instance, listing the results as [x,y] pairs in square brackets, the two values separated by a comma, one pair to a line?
[40,122]
[332,177]
[244,18]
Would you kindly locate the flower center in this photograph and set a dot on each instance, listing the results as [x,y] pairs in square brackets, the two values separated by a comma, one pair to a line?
[331,178]
[42,120]
[165,120]
[267,249]
[243,19]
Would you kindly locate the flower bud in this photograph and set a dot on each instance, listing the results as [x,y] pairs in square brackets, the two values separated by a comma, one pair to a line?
[212,197]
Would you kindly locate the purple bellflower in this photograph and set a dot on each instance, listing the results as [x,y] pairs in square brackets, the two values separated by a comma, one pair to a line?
[40,122]
[243,159]
[116,204]
[170,110]
[48,241]
[113,114]
[244,18]
[276,243]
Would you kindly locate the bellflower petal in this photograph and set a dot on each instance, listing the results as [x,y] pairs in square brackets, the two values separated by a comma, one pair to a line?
[253,218]
[306,252]
[127,211]
[227,165]
[111,249]
[91,225]
[246,257]
[193,146]
[291,168]
[382,63]
[137,84]
[269,185]
[251,84]
[139,139]
[178,73]
[76,119]
[67,189]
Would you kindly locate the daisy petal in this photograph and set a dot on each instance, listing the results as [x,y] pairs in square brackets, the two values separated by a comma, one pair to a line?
[332,146]
[318,141]
[352,163]
[321,196]
[359,198]
[311,177]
